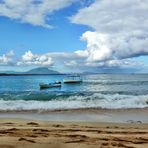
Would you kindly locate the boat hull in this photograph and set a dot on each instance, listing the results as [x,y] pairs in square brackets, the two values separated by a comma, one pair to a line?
[44,86]
[72,81]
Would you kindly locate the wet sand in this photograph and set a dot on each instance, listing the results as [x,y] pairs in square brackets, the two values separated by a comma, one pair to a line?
[82,115]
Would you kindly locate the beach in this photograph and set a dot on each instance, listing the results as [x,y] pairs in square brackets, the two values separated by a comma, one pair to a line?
[105,111]
[17,131]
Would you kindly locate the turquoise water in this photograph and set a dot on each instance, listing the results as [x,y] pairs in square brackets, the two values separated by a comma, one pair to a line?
[96,91]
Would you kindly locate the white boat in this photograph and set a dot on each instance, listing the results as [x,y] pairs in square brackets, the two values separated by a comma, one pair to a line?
[50,85]
[73,79]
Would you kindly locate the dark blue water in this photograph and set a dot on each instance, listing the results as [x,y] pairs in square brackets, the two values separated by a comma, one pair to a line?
[99,91]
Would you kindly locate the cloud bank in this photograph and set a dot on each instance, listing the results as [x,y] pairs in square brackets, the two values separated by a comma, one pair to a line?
[121,29]
[72,61]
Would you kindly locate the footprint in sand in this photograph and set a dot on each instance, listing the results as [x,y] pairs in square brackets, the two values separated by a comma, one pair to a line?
[57,125]
[28,140]
[33,123]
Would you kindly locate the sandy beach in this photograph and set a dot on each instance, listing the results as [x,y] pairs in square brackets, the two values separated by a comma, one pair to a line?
[26,133]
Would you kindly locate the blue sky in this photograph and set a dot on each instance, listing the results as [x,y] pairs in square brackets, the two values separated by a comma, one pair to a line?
[71,35]
[65,36]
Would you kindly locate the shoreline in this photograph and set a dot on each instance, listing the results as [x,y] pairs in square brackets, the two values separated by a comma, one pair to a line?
[95,109]
[82,115]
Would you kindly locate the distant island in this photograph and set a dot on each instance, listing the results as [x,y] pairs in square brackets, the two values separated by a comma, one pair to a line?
[47,71]
[35,71]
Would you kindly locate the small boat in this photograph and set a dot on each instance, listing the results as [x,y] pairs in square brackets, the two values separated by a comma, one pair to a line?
[57,82]
[50,85]
[73,79]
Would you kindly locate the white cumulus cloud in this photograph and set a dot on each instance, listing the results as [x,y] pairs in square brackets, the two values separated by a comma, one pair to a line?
[6,59]
[97,47]
[35,12]
[35,59]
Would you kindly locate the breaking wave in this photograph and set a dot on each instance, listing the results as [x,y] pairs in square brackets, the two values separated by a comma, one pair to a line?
[55,100]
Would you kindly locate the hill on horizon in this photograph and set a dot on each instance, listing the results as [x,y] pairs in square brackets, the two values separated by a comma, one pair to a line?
[41,70]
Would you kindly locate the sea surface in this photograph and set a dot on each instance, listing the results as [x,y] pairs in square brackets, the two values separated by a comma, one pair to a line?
[110,91]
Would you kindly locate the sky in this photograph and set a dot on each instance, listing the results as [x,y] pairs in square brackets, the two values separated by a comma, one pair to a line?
[74,35]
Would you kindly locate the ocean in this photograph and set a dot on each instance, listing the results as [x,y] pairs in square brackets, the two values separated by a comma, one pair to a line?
[107,91]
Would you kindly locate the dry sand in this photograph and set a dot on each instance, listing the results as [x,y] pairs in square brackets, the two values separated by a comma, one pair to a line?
[22,133]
